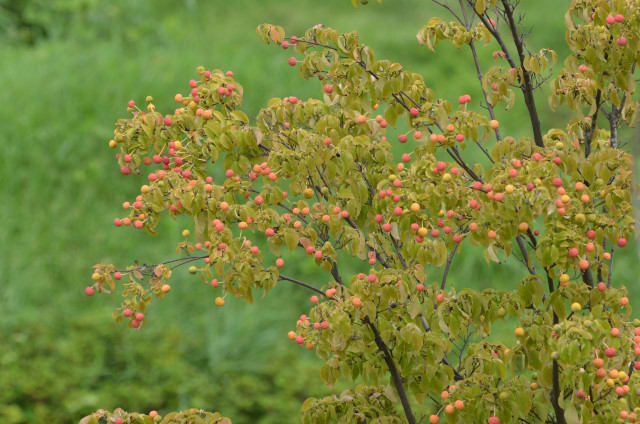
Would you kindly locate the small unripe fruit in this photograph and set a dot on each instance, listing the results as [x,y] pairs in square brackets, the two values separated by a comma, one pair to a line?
[576,307]
[519,332]
[356,301]
[153,414]
[89,291]
[292,61]
[219,301]
[494,124]
[279,262]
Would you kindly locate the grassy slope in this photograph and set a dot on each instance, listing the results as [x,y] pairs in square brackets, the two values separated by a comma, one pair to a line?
[62,189]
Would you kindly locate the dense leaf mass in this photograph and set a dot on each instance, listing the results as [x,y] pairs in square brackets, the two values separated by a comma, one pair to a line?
[318,174]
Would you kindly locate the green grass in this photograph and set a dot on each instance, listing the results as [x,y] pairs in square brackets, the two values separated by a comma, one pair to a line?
[62,188]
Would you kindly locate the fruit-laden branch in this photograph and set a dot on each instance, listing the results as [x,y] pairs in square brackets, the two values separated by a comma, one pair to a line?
[148,268]
[395,375]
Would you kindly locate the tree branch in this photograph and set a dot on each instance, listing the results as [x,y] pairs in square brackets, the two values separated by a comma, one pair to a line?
[592,129]
[395,375]
[302,284]
[527,89]
[446,268]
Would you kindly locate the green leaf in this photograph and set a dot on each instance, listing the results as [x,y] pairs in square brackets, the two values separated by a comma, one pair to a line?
[571,414]
[291,238]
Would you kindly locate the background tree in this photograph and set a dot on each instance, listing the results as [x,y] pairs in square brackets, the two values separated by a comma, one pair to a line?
[319,175]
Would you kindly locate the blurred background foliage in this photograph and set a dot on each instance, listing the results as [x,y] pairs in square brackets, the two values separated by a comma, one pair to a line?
[67,69]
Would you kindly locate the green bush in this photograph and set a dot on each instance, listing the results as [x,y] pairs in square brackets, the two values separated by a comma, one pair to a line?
[56,375]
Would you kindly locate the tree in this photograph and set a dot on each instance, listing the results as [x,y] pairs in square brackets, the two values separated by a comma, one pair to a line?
[319,175]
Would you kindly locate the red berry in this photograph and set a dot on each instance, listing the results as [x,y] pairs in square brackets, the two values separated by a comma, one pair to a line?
[292,61]
[89,291]
[622,242]
[139,316]
[328,88]
[610,352]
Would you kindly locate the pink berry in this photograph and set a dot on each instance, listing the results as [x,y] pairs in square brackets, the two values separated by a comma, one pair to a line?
[139,316]
[292,61]
[89,291]
[127,312]
[131,103]
[622,40]
[328,88]
[402,138]
[611,20]
[619,18]
[413,111]
[610,352]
